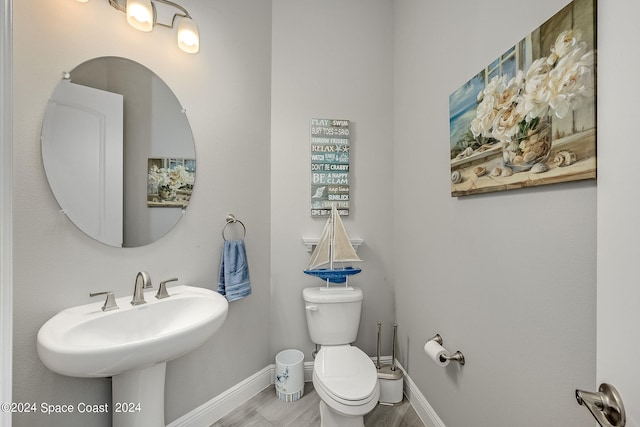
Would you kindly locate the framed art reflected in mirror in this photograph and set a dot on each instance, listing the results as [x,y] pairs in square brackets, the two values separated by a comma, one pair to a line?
[170,182]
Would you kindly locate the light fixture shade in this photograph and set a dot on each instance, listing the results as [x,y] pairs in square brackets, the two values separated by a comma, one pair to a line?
[140,14]
[188,35]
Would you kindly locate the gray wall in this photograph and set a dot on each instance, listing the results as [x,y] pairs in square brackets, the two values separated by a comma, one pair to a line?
[226,92]
[507,278]
[331,59]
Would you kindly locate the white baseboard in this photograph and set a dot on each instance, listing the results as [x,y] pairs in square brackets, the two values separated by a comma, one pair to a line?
[224,403]
[422,407]
[211,411]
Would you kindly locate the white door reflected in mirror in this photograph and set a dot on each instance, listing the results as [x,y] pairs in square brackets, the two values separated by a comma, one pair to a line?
[82,145]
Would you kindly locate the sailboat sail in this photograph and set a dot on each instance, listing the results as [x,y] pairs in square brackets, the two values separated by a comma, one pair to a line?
[342,249]
[321,256]
[333,247]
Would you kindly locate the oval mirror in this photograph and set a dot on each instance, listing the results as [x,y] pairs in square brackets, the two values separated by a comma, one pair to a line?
[118,152]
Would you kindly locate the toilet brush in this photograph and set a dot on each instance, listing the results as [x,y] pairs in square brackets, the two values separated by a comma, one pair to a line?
[393,351]
[378,349]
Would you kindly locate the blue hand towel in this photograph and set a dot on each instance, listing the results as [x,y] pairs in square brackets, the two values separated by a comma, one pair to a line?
[233,279]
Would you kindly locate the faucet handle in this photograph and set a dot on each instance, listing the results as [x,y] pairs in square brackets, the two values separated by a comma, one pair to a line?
[162,289]
[109,303]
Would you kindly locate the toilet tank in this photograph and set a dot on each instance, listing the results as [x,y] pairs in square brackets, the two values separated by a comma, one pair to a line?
[333,316]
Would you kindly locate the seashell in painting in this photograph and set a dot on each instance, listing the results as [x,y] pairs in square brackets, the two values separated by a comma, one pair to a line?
[565,158]
[466,153]
[539,168]
[506,156]
[531,155]
[558,160]
[541,149]
[456,177]
[506,172]
[479,171]
[513,146]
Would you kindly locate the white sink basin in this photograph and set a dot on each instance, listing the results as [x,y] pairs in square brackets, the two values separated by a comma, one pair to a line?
[84,341]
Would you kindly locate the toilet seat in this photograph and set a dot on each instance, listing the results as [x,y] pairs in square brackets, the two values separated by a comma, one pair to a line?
[346,378]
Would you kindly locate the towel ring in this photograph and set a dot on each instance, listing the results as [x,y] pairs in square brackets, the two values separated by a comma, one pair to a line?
[233,220]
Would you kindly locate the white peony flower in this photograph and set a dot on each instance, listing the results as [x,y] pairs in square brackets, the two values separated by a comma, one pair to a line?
[505,126]
[571,81]
[555,84]
[175,178]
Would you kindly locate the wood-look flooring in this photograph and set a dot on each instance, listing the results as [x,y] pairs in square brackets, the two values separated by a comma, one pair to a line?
[266,410]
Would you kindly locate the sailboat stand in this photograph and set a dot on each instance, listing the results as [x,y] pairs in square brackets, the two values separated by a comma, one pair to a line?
[330,287]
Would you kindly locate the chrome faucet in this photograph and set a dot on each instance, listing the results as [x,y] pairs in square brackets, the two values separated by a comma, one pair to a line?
[143,281]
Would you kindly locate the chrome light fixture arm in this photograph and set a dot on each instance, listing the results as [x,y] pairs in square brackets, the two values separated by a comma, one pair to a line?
[121,5]
[188,33]
[184,14]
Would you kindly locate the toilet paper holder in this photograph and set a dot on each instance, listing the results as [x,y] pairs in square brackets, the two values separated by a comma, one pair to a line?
[457,356]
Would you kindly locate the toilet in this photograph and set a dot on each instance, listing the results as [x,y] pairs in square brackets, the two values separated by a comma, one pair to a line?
[344,377]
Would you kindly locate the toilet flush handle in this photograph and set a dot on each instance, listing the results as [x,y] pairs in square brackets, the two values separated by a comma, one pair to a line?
[311,308]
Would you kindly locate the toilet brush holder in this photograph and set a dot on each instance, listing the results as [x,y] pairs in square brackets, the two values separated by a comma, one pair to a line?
[391,382]
[390,378]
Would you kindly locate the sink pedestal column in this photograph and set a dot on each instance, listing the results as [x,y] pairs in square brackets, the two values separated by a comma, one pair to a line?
[138,397]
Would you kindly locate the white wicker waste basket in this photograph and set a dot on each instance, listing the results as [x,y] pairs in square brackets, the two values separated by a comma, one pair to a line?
[289,375]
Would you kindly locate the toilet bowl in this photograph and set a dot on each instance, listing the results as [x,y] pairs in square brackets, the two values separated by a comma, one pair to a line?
[345,378]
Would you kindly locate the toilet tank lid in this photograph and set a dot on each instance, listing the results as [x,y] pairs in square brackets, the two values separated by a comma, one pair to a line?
[327,296]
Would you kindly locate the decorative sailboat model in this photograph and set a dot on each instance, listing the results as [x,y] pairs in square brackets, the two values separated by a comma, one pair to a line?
[332,253]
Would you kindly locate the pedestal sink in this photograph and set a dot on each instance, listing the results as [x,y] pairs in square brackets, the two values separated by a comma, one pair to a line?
[132,344]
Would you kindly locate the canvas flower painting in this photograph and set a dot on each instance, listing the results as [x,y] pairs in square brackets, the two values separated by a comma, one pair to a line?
[528,118]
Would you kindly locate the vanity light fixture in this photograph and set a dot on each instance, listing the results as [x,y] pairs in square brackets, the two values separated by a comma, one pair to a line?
[143,15]
[140,14]
[188,36]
